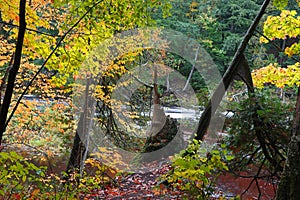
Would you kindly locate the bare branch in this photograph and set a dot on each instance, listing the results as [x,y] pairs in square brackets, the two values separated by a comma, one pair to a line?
[29,29]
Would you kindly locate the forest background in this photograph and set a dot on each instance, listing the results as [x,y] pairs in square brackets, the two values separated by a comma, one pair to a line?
[254,45]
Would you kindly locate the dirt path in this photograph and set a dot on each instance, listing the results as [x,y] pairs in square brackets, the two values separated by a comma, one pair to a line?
[137,186]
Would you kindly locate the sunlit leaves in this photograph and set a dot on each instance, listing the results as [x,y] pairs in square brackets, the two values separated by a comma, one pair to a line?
[6,49]
[15,171]
[38,14]
[280,77]
[9,10]
[294,49]
[193,6]
[43,124]
[283,26]
[280,4]
[105,19]
[21,179]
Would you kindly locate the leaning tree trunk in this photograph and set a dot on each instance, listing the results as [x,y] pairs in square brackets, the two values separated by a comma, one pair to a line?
[228,77]
[289,186]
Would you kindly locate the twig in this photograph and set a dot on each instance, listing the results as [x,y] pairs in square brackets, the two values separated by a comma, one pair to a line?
[255,179]
[275,45]
[29,29]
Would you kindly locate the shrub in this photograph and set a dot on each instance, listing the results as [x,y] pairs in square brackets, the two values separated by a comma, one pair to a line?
[21,179]
[275,118]
[195,170]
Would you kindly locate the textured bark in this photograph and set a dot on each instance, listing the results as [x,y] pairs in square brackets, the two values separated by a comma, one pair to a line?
[244,74]
[159,117]
[289,186]
[14,69]
[228,77]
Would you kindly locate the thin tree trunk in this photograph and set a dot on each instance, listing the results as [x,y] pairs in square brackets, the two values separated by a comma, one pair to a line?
[228,77]
[192,70]
[14,70]
[289,186]
[90,111]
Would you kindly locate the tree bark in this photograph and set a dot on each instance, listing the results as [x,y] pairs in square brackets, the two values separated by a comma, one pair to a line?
[81,140]
[14,70]
[228,77]
[289,186]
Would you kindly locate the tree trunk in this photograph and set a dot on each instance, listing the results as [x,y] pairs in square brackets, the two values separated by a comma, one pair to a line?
[289,186]
[228,77]
[192,70]
[76,155]
[159,117]
[14,70]
[81,140]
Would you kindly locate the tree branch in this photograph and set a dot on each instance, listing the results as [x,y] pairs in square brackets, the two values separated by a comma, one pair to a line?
[29,29]
[276,46]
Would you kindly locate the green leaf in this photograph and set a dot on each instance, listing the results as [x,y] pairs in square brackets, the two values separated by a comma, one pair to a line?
[280,4]
[13,154]
[180,162]
[4,155]
[229,157]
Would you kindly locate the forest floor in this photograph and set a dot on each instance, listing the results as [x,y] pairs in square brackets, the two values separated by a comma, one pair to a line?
[145,185]
[137,186]
[140,186]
